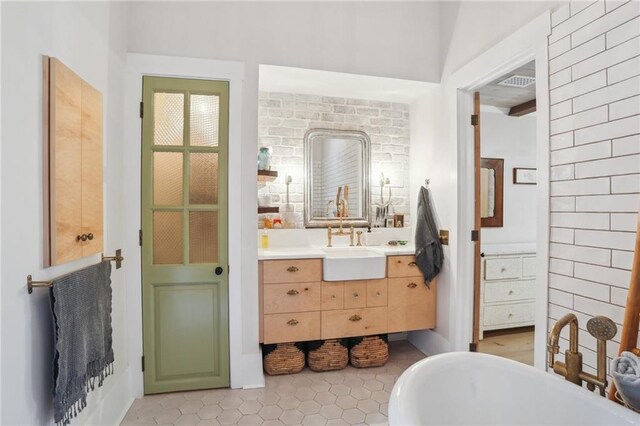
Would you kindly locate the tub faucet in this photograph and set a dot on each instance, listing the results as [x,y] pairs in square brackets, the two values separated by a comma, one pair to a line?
[600,327]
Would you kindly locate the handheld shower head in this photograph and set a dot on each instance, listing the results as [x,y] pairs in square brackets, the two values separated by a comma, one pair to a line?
[602,328]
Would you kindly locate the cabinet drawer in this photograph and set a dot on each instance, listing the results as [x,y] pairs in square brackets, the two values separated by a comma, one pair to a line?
[402,266]
[412,305]
[292,271]
[332,295]
[502,268]
[298,327]
[355,294]
[508,314]
[294,297]
[377,292]
[507,291]
[353,322]
[529,266]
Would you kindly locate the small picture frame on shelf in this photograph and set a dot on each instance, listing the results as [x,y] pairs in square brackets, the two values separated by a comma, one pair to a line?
[524,176]
[389,223]
[398,220]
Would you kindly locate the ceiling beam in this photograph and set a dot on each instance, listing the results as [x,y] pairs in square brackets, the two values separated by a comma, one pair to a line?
[523,109]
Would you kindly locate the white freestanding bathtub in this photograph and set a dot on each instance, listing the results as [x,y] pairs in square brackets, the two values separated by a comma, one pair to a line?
[463,388]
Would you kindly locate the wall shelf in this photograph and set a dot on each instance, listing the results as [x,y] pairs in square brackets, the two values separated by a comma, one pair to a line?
[267,175]
[263,210]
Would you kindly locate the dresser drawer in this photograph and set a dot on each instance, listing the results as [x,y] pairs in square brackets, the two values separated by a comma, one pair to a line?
[332,295]
[412,305]
[293,297]
[292,271]
[508,314]
[502,268]
[508,291]
[377,292]
[402,266]
[528,266]
[355,294]
[353,322]
[296,327]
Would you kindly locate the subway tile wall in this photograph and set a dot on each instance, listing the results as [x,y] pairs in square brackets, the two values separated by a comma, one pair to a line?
[284,118]
[594,66]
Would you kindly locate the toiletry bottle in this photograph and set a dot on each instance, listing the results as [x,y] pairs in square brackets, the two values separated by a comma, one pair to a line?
[264,240]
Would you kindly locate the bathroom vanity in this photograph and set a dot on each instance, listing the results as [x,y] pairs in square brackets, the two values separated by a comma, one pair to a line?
[297,305]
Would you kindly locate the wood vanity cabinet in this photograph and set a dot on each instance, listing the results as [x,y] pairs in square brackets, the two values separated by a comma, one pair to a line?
[296,305]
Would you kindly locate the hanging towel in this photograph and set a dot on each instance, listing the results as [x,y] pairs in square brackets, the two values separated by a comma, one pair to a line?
[625,370]
[429,254]
[81,307]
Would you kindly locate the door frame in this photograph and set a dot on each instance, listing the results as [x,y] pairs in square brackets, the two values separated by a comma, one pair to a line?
[526,44]
[137,66]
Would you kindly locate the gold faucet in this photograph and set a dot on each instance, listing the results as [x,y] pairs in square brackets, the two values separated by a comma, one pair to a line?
[341,231]
[600,327]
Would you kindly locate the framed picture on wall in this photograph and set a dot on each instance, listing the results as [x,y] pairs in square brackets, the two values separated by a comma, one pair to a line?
[524,176]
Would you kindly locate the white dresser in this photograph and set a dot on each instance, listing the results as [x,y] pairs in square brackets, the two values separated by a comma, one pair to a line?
[507,290]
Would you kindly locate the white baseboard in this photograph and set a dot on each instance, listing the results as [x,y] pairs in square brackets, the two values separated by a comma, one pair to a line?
[115,405]
[429,342]
[253,376]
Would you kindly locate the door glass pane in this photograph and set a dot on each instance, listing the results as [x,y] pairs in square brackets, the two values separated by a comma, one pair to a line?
[168,118]
[204,120]
[203,178]
[167,178]
[203,237]
[167,237]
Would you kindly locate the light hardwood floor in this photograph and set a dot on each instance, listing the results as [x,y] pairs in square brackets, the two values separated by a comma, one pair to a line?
[515,344]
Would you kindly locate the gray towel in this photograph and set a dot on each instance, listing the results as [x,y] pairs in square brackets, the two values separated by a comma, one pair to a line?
[81,307]
[626,374]
[429,253]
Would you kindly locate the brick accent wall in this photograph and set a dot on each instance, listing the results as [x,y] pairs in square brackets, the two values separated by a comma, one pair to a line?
[284,118]
[594,67]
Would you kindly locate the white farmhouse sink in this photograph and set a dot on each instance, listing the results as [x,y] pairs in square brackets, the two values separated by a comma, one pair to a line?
[353,263]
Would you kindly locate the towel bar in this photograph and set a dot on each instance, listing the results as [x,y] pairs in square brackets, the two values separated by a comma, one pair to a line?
[31,284]
[118,258]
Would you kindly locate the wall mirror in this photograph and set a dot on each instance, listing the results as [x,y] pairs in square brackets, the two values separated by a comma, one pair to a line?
[337,166]
[491,192]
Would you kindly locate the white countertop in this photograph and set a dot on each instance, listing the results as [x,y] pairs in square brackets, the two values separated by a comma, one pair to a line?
[317,252]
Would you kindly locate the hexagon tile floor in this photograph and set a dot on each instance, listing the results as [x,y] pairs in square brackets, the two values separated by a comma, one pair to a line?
[349,396]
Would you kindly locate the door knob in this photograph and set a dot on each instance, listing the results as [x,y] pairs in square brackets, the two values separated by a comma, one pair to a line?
[219,270]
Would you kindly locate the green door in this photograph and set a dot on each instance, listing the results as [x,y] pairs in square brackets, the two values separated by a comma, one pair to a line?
[185,308]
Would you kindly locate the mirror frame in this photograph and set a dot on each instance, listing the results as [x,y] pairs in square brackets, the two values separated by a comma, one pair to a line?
[497,164]
[360,221]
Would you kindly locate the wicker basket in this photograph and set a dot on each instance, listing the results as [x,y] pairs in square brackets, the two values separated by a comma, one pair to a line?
[372,351]
[283,358]
[327,355]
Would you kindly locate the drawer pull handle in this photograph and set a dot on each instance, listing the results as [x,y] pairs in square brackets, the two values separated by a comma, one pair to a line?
[503,269]
[412,285]
[292,292]
[292,322]
[355,318]
[378,293]
[412,264]
[333,296]
[510,315]
[292,269]
[356,295]
[510,292]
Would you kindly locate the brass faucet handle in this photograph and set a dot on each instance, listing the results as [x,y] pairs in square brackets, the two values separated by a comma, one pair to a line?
[359,233]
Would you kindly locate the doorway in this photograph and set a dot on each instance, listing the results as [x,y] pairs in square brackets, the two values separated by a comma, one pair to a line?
[184,234]
[505,213]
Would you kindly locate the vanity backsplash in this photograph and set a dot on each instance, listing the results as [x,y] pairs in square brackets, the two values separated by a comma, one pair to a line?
[283,120]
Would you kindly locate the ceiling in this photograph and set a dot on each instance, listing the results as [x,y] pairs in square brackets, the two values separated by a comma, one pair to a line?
[505,97]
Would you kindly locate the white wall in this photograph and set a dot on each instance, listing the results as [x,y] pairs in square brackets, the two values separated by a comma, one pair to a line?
[469,30]
[343,37]
[514,140]
[595,163]
[89,38]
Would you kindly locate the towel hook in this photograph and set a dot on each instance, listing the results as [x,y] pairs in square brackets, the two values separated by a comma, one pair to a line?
[427,181]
